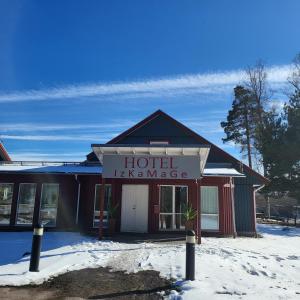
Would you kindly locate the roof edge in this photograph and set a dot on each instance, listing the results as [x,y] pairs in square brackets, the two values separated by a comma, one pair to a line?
[3,153]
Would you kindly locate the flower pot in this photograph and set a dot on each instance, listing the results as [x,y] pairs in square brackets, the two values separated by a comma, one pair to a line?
[189,225]
[111,226]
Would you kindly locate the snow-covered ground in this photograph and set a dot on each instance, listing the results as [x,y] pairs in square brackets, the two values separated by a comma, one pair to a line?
[242,268]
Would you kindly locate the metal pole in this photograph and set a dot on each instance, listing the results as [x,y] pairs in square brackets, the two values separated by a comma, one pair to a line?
[233,208]
[36,248]
[190,255]
[199,211]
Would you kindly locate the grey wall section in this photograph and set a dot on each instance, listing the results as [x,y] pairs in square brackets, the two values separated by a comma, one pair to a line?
[244,218]
[244,204]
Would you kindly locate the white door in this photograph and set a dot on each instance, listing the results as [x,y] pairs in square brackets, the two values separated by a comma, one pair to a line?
[134,212]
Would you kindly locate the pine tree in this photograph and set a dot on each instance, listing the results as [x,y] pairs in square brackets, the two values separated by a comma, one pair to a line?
[292,143]
[272,148]
[239,125]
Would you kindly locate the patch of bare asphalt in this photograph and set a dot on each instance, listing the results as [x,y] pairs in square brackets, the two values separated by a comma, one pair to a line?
[93,283]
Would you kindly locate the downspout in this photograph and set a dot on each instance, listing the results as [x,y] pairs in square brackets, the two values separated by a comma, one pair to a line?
[233,209]
[78,198]
[254,203]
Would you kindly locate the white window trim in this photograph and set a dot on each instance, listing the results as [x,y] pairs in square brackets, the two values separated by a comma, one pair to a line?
[50,183]
[205,214]
[17,210]
[97,213]
[173,214]
[12,199]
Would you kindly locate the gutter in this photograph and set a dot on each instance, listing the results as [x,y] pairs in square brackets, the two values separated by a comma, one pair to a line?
[259,188]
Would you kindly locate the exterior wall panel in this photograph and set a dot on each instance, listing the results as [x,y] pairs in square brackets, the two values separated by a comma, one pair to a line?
[225,201]
[244,210]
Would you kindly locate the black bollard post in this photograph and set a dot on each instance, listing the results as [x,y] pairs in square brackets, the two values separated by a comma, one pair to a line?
[36,248]
[190,255]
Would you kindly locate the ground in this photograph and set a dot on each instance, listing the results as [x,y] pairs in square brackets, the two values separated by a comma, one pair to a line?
[93,283]
[241,268]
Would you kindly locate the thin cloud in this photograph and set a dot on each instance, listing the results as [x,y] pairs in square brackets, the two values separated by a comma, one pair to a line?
[53,138]
[30,127]
[204,127]
[209,83]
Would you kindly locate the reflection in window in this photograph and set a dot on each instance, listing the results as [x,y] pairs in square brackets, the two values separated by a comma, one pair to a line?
[26,203]
[49,200]
[209,208]
[6,194]
[172,201]
[107,199]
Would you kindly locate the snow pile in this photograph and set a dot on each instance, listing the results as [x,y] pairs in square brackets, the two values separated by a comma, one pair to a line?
[242,268]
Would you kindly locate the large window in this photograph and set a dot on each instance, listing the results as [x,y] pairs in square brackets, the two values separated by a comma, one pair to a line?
[209,208]
[6,194]
[26,203]
[107,200]
[172,202]
[49,201]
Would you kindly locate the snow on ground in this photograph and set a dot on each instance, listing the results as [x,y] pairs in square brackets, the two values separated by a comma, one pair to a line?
[242,268]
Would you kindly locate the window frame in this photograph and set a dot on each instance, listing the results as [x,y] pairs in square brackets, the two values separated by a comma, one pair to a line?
[105,212]
[173,214]
[206,214]
[12,200]
[40,208]
[18,203]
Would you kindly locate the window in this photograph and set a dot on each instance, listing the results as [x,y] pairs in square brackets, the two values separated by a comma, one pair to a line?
[6,194]
[49,201]
[107,199]
[172,202]
[26,203]
[159,142]
[209,208]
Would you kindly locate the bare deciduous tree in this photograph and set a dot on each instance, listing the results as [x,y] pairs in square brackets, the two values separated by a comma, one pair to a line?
[294,78]
[256,82]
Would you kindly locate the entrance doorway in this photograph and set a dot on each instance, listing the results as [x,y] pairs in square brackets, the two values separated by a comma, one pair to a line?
[134,212]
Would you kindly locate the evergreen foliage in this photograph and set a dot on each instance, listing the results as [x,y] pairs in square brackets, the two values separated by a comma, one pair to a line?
[275,135]
[239,127]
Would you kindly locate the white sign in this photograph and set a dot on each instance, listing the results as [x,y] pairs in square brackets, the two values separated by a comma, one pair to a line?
[151,167]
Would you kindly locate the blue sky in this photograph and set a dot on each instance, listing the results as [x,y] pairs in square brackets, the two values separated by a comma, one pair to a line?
[74,73]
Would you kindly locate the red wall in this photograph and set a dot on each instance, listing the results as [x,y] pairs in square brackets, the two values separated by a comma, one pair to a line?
[225,204]
[67,205]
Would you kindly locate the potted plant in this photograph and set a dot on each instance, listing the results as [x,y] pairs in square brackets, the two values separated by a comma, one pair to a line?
[189,214]
[111,214]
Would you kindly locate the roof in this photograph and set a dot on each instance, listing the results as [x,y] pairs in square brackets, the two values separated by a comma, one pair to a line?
[49,168]
[3,153]
[192,133]
[93,169]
